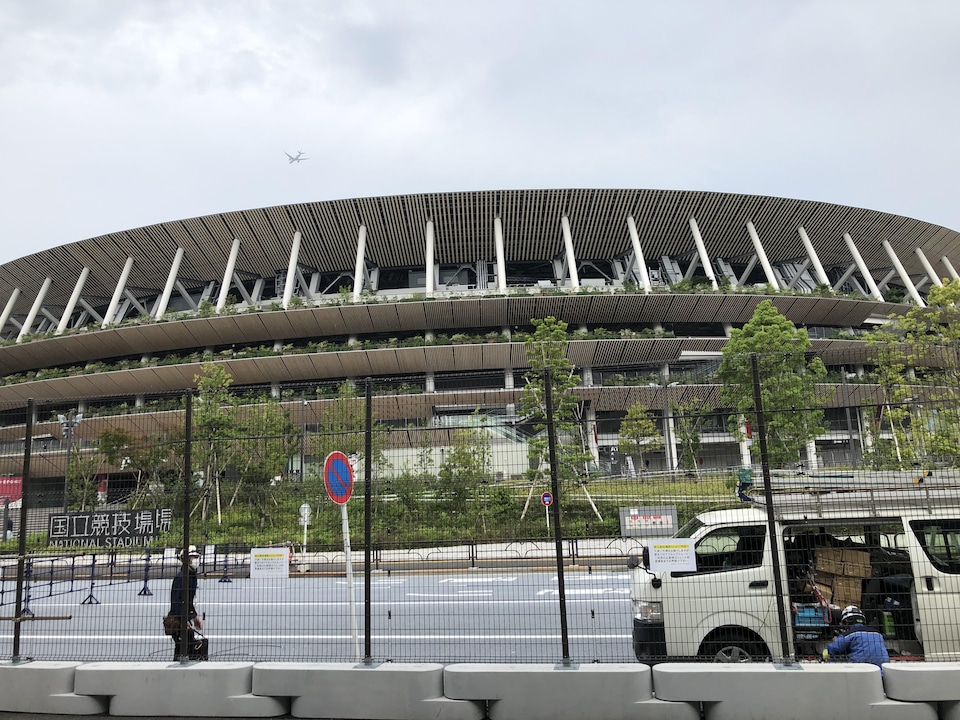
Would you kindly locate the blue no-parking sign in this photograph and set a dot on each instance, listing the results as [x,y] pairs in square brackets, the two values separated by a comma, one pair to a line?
[338,477]
[547,499]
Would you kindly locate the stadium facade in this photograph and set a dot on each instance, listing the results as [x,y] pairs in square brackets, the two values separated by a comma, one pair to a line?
[431,290]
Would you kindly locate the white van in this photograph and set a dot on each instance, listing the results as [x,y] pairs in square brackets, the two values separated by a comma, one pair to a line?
[890,545]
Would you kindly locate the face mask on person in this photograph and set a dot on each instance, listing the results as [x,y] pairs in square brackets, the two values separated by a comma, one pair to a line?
[194,563]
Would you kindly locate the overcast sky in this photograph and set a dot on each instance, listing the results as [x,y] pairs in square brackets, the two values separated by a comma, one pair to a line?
[116,114]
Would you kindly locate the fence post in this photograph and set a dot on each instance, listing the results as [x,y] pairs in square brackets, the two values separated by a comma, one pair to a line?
[367,519]
[90,599]
[20,609]
[557,533]
[184,556]
[782,617]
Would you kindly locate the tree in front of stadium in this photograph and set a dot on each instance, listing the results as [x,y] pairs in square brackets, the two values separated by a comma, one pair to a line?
[216,431]
[465,470]
[639,434]
[789,373]
[546,352]
[918,371]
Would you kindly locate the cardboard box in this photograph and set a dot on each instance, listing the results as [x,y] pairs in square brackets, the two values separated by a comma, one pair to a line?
[847,591]
[856,563]
[829,561]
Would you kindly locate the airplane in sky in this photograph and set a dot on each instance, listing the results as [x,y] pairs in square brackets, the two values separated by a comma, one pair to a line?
[296,158]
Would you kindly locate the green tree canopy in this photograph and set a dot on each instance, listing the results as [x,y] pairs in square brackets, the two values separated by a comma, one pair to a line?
[789,373]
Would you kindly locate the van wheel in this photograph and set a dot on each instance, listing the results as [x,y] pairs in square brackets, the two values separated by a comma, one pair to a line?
[732,650]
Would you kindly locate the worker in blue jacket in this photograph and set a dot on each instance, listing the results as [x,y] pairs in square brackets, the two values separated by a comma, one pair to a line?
[857,640]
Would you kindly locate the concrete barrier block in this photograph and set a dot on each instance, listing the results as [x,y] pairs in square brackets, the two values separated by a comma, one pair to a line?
[201,689]
[950,710]
[551,692]
[784,692]
[45,687]
[923,682]
[389,691]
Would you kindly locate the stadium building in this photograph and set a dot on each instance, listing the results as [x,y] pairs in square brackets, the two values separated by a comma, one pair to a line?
[431,292]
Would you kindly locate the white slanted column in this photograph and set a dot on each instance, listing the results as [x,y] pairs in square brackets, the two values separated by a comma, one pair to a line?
[359,264]
[904,275]
[862,266]
[928,268]
[72,302]
[291,271]
[571,256]
[702,253]
[34,309]
[501,255]
[590,417]
[117,294]
[949,266]
[429,271]
[8,308]
[168,288]
[818,270]
[762,256]
[641,263]
[228,275]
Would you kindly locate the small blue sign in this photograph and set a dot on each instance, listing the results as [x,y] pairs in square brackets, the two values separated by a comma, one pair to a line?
[547,499]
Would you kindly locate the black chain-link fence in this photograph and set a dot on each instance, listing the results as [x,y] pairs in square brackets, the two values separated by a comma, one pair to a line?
[487,531]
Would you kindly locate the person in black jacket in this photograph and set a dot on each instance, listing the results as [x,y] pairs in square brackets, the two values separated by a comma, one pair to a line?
[181,593]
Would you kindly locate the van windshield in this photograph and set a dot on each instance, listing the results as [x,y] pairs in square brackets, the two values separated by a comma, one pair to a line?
[690,529]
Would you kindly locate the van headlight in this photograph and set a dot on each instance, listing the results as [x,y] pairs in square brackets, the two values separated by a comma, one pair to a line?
[648,611]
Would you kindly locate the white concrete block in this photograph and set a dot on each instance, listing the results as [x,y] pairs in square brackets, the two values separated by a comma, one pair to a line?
[44,686]
[924,682]
[200,689]
[784,692]
[389,691]
[551,692]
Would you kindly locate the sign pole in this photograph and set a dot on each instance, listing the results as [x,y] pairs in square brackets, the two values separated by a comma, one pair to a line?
[546,514]
[338,479]
[353,599]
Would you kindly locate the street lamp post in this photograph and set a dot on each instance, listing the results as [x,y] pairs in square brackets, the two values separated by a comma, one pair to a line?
[68,424]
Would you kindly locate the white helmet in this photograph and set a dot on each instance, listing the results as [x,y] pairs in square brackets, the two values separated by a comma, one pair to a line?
[851,614]
[192,551]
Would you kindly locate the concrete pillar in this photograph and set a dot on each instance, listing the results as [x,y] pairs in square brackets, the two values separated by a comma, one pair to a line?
[429,264]
[359,263]
[862,266]
[928,268]
[590,423]
[818,270]
[168,288]
[72,302]
[501,255]
[904,276]
[291,271]
[34,309]
[702,252]
[762,256]
[117,294]
[949,266]
[641,263]
[812,463]
[571,256]
[428,382]
[228,275]
[8,308]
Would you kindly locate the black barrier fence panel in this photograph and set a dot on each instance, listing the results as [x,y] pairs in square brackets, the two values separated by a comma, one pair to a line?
[666,541]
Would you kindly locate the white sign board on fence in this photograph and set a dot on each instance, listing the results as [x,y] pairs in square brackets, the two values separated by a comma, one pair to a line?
[270,562]
[672,555]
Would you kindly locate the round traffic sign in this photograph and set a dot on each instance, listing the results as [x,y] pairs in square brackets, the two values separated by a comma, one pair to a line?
[547,499]
[338,477]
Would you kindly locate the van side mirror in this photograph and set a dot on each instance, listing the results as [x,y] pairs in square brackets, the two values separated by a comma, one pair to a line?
[633,562]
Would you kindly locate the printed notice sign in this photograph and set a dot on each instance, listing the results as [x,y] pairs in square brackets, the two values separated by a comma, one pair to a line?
[672,555]
[270,562]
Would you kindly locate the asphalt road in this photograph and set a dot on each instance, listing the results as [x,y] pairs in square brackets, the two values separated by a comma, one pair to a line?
[457,616]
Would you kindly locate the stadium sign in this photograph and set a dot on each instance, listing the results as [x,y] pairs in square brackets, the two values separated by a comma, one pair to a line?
[108,528]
